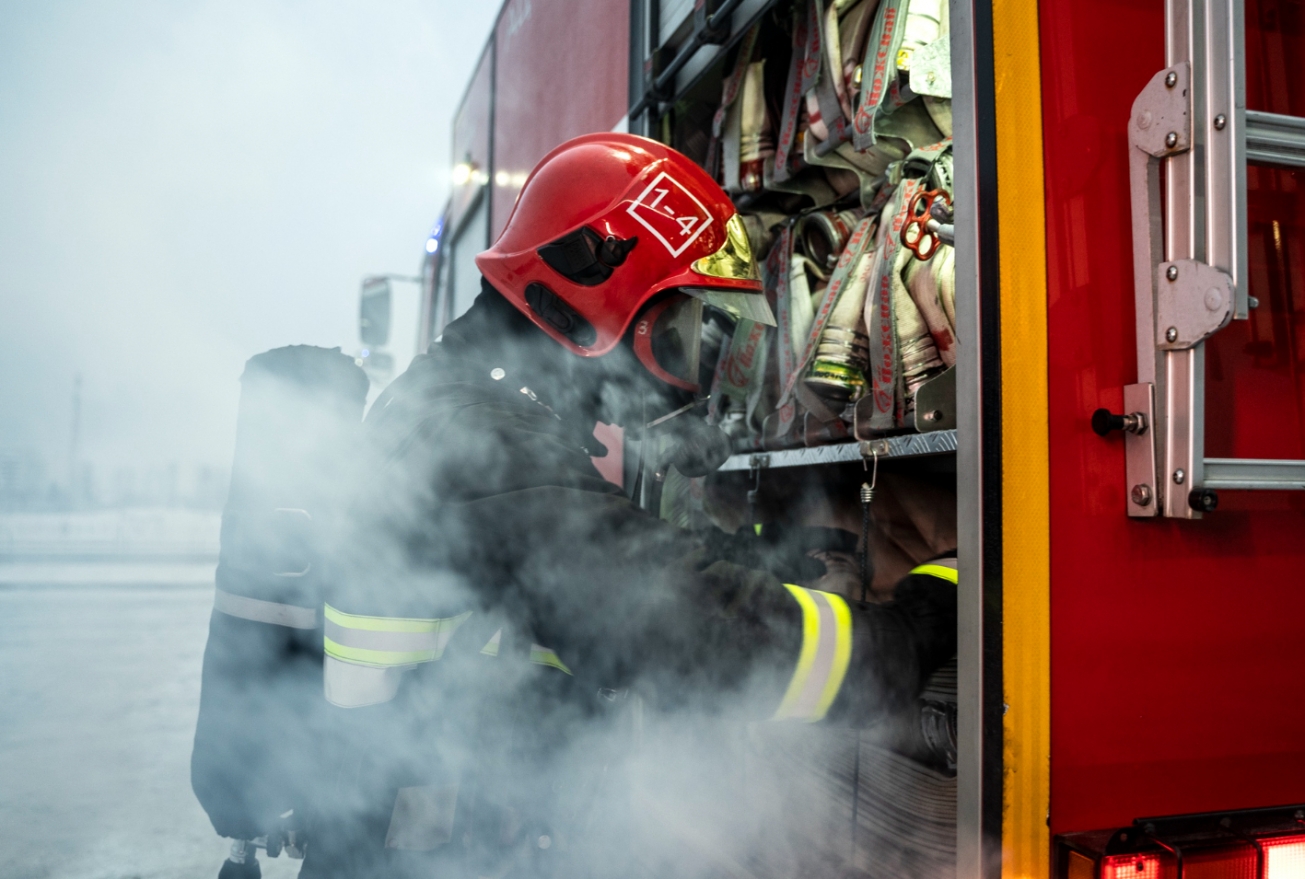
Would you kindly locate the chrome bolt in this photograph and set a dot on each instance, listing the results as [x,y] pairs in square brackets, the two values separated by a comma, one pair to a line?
[1172,273]
[1141,495]
[1171,80]
[497,373]
[1252,302]
[1171,139]
[1180,475]
[1220,121]
[1171,334]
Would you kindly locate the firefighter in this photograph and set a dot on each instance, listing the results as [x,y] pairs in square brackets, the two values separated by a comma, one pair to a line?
[495,590]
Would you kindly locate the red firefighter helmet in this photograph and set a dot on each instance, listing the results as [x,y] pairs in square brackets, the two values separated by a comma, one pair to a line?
[604,224]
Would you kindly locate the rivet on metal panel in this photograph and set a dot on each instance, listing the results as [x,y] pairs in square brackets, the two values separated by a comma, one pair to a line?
[1171,139]
[1172,273]
[1171,334]
[1171,80]
[1220,122]
[1180,476]
[875,447]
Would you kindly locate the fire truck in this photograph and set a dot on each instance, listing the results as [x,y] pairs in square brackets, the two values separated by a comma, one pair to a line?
[1104,207]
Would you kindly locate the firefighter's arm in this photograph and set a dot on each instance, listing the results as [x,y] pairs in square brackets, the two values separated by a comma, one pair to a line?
[623,597]
[846,661]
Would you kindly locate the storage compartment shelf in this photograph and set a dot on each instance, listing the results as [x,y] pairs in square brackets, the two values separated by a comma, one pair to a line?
[911,445]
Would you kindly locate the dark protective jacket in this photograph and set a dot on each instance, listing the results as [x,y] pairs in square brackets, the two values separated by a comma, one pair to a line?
[493,582]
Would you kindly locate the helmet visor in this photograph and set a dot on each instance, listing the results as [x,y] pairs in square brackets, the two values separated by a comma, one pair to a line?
[733,261]
[738,304]
[668,338]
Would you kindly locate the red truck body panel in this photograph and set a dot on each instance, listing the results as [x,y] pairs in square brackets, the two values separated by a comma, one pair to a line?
[471,136]
[1176,666]
[562,72]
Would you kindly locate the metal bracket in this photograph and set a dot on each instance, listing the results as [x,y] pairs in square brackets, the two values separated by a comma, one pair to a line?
[1160,126]
[1145,493]
[935,403]
[1161,123]
[1193,301]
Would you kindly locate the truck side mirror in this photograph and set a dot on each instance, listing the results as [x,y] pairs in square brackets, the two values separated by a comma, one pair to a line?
[374,311]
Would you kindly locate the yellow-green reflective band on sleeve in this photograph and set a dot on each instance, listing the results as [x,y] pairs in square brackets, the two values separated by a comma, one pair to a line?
[943,569]
[387,641]
[492,645]
[544,656]
[823,660]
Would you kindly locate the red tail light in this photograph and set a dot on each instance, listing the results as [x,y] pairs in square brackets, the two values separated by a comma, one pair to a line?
[1255,844]
[1130,867]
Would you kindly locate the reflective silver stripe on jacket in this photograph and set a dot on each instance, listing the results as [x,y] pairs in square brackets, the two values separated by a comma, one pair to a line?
[260,611]
[824,657]
[387,641]
[366,656]
[349,685]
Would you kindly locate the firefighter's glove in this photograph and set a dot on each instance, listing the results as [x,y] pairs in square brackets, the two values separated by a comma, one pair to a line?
[930,604]
[897,646]
[693,447]
[782,553]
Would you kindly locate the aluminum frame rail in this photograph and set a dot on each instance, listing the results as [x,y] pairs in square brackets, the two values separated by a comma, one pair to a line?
[911,445]
[1190,137]
[1275,140]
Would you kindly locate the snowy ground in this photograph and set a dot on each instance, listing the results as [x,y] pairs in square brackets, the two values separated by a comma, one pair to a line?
[99,687]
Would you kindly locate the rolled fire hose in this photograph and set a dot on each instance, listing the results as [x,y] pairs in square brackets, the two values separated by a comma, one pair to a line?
[843,355]
[823,235]
[755,141]
[922,283]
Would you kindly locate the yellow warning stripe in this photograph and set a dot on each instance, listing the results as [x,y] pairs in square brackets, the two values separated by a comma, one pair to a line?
[1026,646]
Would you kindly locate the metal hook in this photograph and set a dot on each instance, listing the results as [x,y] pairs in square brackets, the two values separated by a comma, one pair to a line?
[867,497]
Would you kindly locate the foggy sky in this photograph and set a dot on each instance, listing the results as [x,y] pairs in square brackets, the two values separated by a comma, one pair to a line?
[184,185]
